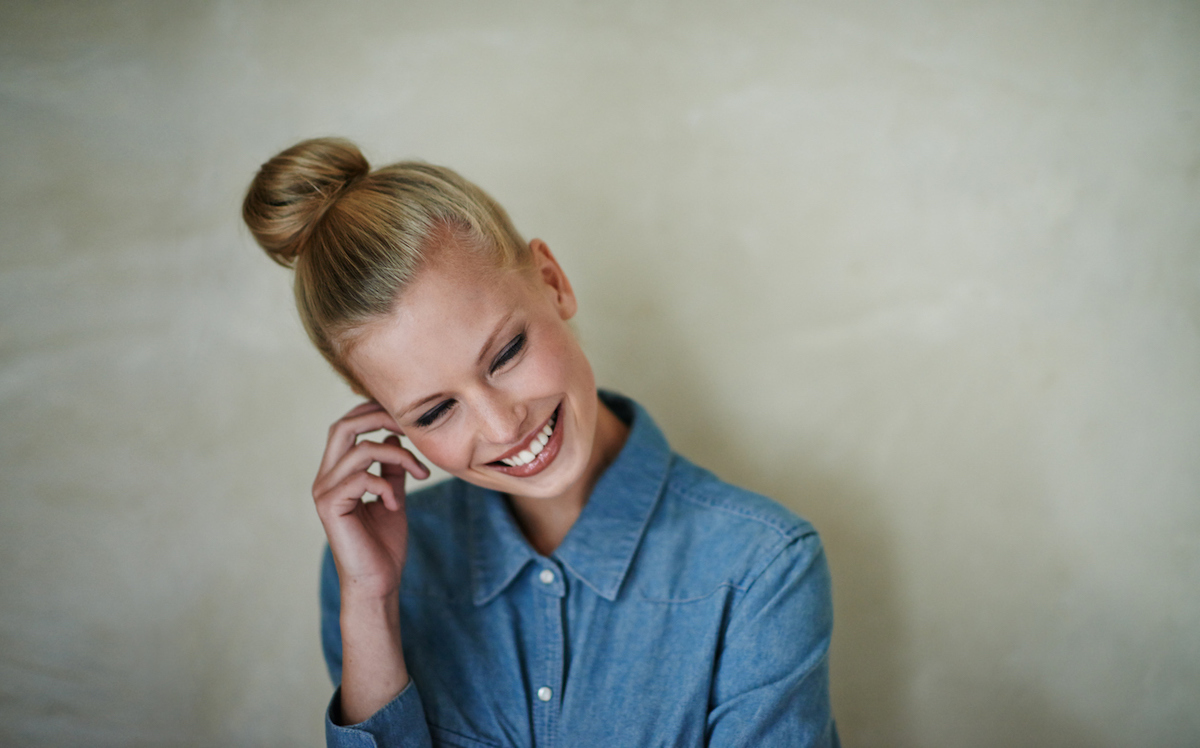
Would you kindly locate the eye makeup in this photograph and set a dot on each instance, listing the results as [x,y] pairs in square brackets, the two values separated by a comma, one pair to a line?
[433,414]
[515,346]
[507,354]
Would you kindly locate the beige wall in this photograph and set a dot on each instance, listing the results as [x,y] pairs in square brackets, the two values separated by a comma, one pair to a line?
[928,273]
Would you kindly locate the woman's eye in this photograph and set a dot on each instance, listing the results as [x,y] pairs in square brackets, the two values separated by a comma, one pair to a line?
[512,349]
[431,416]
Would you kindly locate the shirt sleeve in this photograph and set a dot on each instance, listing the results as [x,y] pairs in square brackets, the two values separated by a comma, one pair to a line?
[400,723]
[771,686]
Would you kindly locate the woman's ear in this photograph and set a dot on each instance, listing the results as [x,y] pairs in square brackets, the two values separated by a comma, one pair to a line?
[553,280]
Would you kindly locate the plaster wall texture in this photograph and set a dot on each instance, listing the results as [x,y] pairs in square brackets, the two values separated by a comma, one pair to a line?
[926,272]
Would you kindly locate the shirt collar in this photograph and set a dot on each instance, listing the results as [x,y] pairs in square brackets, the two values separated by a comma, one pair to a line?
[600,546]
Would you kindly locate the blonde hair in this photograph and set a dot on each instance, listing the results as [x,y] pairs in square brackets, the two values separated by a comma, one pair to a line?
[357,237]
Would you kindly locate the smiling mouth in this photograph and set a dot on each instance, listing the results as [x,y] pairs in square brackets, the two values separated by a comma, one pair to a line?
[536,453]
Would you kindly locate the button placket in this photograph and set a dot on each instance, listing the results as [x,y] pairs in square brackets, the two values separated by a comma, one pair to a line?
[552,583]
[549,580]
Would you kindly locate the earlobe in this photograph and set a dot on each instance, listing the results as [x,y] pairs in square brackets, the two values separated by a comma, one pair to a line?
[554,279]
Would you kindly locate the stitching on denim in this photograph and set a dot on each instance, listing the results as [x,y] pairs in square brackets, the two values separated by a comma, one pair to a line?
[771,560]
[756,571]
[789,530]
[673,601]
[458,737]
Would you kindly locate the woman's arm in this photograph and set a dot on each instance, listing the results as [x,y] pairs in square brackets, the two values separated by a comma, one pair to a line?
[373,670]
[368,543]
[399,722]
[771,686]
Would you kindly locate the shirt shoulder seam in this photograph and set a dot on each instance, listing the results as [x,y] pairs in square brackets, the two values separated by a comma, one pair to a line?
[793,529]
[769,560]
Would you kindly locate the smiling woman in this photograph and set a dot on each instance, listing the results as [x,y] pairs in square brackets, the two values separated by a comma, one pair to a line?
[476,361]
[575,582]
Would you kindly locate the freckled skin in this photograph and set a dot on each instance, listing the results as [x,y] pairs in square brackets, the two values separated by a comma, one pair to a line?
[431,344]
[441,346]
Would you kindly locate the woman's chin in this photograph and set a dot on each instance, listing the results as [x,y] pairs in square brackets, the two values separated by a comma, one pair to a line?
[553,480]
[559,465]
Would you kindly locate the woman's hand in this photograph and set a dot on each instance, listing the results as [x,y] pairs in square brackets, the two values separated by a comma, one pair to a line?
[369,540]
[369,543]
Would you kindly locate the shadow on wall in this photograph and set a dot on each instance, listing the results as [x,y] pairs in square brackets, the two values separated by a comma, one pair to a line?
[881,695]
[878,696]
[869,680]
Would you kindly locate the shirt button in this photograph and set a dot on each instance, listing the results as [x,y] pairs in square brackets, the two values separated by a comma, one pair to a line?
[544,693]
[547,577]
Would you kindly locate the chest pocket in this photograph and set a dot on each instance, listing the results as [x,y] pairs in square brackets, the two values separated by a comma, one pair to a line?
[443,738]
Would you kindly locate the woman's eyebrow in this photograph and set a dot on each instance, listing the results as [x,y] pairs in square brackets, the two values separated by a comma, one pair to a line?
[418,404]
[487,345]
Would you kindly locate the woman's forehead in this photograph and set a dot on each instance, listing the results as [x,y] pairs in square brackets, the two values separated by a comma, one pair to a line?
[444,322]
[458,286]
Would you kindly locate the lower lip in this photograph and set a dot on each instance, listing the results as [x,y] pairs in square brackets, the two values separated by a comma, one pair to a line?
[543,459]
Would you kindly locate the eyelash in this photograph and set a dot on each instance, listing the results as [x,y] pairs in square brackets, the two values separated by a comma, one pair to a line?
[435,413]
[515,346]
[510,351]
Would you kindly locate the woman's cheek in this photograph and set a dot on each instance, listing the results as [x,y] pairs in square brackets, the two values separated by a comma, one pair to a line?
[552,375]
[441,452]
[558,366]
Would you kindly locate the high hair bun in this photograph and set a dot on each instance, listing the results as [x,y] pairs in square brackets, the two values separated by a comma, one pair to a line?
[292,192]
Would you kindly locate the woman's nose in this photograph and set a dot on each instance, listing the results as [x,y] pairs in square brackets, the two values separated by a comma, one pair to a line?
[501,421]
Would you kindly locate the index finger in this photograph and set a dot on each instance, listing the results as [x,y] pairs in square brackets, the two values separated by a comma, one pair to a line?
[344,433]
[363,407]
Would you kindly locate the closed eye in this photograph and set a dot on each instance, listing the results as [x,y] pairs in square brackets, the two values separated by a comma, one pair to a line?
[512,349]
[431,416]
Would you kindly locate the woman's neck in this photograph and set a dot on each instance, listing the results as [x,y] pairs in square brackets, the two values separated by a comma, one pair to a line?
[545,522]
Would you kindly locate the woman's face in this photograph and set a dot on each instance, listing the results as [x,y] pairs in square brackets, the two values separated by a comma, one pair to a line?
[483,375]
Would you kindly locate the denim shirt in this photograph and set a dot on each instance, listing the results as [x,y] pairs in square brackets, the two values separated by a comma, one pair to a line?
[678,611]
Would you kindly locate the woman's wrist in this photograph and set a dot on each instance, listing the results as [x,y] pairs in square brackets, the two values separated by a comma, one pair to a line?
[368,599]
[371,621]
[373,656]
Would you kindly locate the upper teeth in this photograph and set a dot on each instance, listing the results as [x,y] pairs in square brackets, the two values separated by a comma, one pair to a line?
[536,445]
